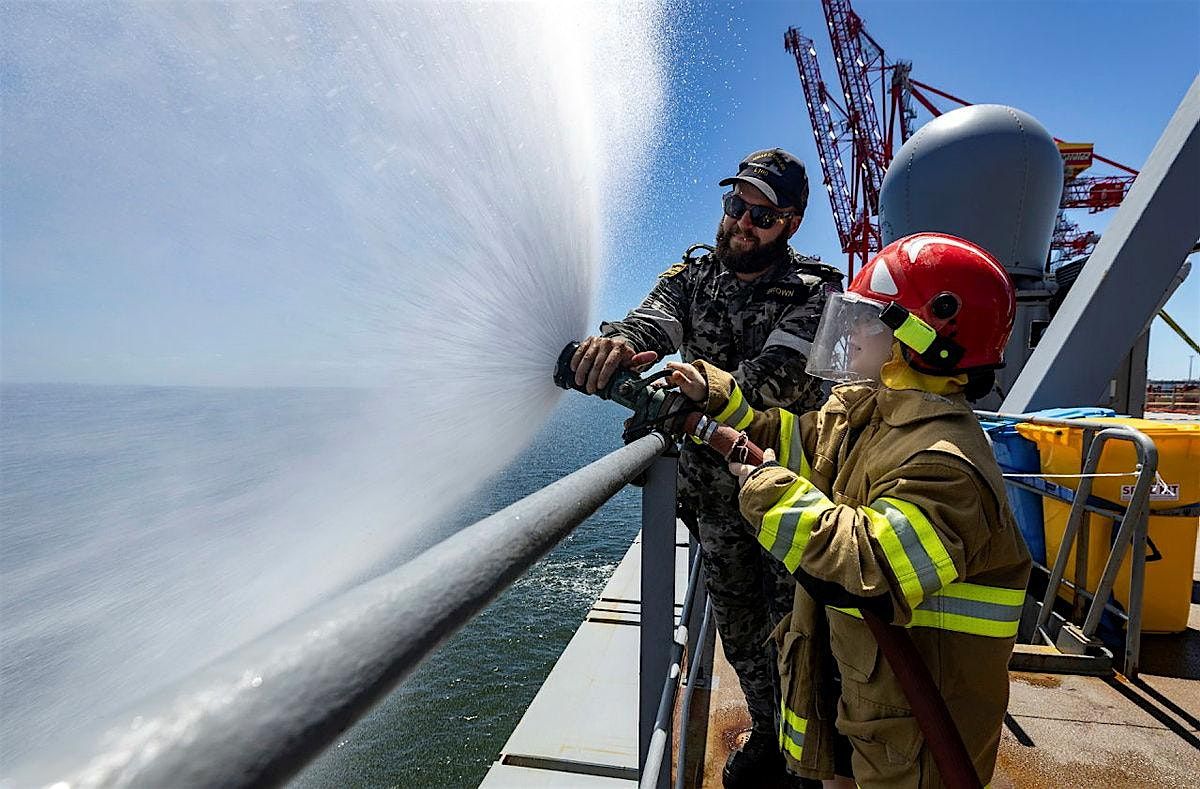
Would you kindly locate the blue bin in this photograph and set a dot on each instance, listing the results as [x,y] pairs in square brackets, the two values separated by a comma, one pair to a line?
[1017,455]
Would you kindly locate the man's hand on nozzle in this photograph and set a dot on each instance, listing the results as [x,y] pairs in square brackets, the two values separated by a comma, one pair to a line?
[689,379]
[597,358]
[743,470]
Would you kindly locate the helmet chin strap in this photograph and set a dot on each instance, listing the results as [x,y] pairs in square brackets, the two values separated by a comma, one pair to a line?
[942,354]
[897,373]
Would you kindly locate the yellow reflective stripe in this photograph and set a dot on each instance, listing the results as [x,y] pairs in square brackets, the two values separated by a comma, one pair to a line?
[778,519]
[787,526]
[918,558]
[967,608]
[791,731]
[961,623]
[788,745]
[737,413]
[985,594]
[803,530]
[786,418]
[791,448]
[935,549]
[915,333]
[793,720]
[897,559]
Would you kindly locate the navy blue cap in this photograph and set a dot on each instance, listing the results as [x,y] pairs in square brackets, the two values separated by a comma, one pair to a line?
[778,175]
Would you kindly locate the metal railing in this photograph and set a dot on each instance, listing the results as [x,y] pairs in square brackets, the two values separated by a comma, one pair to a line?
[260,714]
[652,773]
[662,652]
[695,672]
[1132,534]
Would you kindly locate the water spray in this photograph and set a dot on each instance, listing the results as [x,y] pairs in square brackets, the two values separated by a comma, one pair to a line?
[356,210]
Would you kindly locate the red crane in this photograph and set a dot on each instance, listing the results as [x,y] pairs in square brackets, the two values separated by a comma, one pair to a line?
[848,130]
[852,131]
[858,234]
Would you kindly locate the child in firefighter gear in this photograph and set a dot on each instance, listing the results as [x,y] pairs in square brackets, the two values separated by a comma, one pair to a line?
[889,499]
[752,306]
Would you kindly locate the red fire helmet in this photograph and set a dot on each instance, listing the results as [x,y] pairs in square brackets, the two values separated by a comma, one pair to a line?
[949,302]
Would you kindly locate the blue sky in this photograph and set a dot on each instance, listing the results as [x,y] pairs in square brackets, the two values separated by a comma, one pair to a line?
[1111,73]
[158,229]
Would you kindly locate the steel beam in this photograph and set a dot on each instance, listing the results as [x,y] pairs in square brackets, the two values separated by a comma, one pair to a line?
[257,716]
[1119,288]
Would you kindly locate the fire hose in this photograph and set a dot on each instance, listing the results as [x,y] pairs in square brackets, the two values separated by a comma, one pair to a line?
[653,409]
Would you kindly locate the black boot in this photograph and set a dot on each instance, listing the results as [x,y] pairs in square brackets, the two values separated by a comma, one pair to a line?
[758,764]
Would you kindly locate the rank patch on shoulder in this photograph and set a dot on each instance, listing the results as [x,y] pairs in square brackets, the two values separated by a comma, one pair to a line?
[673,270]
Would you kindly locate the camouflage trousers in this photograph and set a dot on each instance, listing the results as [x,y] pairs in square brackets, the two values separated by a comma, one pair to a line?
[750,590]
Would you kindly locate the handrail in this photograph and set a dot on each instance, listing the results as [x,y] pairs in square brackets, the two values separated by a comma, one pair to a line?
[666,705]
[1133,530]
[695,664]
[258,715]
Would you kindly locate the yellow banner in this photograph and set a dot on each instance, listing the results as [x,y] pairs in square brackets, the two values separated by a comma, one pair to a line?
[1077,157]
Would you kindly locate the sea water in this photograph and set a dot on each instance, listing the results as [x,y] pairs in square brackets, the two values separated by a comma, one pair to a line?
[306,258]
[69,457]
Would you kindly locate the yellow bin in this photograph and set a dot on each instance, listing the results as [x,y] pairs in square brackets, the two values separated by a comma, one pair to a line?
[1168,589]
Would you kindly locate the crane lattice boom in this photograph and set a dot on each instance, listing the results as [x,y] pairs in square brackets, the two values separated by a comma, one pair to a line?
[850,132]
[816,96]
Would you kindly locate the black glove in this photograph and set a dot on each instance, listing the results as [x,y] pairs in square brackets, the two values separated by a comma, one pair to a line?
[659,409]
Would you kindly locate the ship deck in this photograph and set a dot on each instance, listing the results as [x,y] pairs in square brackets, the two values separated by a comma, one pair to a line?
[1062,730]
[581,729]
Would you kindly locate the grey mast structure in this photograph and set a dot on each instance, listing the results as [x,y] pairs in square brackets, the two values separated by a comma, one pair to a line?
[993,175]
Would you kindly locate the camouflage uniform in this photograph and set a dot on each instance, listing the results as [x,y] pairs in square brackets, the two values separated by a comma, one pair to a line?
[762,331]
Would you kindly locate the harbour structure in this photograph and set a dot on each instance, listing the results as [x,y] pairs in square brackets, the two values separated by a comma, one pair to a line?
[858,127]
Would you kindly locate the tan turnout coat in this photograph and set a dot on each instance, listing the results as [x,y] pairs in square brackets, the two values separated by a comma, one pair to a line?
[884,495]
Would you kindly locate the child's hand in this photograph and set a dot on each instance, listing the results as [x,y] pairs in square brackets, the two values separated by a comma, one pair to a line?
[743,470]
[690,381]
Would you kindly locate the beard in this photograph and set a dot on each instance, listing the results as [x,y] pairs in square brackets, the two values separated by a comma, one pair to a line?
[752,261]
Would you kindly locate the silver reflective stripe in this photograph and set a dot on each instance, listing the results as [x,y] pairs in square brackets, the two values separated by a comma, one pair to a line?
[992,611]
[735,419]
[796,448]
[788,340]
[926,572]
[996,612]
[793,734]
[787,533]
[789,522]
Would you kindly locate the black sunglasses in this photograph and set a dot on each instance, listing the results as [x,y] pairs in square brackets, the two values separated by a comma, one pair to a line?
[761,216]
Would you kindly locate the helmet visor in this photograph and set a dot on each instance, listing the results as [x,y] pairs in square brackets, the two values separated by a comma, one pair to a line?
[852,343]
